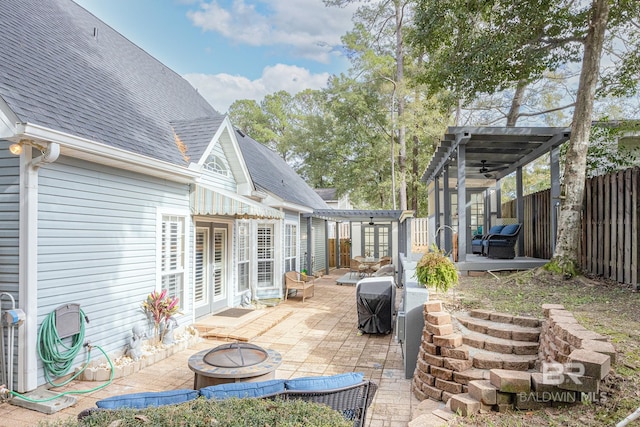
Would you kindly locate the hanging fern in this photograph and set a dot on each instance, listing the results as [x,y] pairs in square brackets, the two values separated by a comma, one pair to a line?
[436,270]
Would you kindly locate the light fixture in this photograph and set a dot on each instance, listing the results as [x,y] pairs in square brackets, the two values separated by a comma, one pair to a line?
[371,220]
[16,149]
[50,151]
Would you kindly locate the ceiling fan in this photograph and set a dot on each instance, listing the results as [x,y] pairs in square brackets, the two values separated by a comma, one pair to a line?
[485,170]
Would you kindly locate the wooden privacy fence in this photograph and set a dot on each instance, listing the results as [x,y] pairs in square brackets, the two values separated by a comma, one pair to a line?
[345,252]
[609,245]
[536,225]
[610,240]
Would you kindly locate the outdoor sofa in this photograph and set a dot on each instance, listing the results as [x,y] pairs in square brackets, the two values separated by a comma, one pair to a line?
[350,394]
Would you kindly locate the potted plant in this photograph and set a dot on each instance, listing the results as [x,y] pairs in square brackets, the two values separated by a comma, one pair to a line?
[436,270]
[159,308]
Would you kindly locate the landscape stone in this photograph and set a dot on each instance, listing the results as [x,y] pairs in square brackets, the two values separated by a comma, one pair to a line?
[444,329]
[448,386]
[449,341]
[595,365]
[432,306]
[457,364]
[438,318]
[483,391]
[603,347]
[465,404]
[442,373]
[461,352]
[510,381]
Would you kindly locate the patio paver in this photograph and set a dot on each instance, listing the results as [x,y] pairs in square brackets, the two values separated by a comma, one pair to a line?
[317,337]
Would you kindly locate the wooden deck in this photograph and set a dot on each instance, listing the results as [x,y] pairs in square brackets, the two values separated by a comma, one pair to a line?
[481,263]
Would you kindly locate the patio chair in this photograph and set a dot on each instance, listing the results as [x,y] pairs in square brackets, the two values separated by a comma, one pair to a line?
[298,282]
[502,245]
[476,242]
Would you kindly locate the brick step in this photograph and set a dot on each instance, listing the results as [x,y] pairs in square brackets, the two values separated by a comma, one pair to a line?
[483,359]
[531,322]
[502,330]
[499,345]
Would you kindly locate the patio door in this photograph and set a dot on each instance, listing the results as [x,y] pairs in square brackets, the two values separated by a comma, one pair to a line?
[210,287]
[376,240]
[475,215]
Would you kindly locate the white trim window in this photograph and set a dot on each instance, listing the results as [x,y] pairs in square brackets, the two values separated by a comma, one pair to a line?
[266,255]
[244,256]
[173,256]
[290,247]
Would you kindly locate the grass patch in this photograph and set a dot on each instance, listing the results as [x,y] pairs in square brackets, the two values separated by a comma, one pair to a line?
[210,413]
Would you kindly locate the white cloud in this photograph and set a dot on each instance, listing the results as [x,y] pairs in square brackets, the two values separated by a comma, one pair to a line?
[221,90]
[308,27]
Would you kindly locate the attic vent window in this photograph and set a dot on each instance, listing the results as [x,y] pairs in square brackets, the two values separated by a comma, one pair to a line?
[217,165]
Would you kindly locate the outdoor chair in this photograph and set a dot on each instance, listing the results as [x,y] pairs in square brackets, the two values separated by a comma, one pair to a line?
[385,260]
[502,245]
[295,280]
[356,266]
[476,242]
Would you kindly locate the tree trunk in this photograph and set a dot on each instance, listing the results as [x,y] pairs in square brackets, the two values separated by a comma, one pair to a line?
[402,139]
[516,103]
[566,252]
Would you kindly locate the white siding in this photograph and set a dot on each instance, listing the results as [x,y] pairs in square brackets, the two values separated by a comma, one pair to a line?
[319,245]
[9,233]
[97,245]
[217,180]
[9,221]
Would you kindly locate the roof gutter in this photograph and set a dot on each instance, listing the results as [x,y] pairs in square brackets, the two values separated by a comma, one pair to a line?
[97,152]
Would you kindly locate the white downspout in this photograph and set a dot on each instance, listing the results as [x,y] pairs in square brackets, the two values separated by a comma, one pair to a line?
[28,265]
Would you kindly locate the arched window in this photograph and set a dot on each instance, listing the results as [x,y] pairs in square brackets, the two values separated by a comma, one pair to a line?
[216,164]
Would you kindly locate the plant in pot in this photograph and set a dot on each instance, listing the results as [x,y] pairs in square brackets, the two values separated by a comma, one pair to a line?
[159,308]
[436,270]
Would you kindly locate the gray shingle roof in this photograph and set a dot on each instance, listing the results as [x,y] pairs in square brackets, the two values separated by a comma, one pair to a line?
[327,194]
[271,173]
[64,69]
[196,134]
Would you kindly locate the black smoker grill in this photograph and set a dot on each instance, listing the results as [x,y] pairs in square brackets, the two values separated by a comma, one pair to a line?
[375,298]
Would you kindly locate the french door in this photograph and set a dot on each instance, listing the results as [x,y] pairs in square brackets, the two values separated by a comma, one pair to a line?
[376,240]
[211,249]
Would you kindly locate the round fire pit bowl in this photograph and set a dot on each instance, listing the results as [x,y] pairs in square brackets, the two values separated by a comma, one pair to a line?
[233,362]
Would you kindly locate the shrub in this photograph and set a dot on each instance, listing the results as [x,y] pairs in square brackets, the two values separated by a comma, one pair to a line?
[436,270]
[225,413]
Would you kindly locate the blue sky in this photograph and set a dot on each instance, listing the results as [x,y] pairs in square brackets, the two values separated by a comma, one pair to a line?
[235,49]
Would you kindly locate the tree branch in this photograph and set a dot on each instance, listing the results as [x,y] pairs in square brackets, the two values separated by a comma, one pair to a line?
[551,110]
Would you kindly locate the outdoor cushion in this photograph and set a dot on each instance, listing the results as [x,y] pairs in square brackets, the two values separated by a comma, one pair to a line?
[497,242]
[243,389]
[325,382]
[144,400]
[496,229]
[510,229]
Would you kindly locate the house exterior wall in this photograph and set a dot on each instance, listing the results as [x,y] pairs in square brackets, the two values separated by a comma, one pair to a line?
[217,180]
[319,245]
[10,223]
[9,232]
[98,246]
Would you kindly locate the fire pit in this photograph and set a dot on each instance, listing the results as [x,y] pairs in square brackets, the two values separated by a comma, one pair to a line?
[234,362]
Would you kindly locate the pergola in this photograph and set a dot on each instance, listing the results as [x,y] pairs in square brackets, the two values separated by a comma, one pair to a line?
[370,216]
[478,158]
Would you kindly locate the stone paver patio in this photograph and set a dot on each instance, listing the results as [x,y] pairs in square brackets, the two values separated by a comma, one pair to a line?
[317,337]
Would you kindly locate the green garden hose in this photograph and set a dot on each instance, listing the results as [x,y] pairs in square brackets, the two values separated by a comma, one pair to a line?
[57,357]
